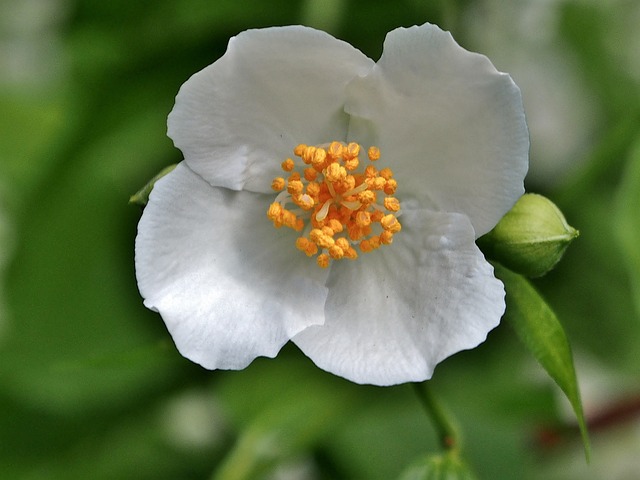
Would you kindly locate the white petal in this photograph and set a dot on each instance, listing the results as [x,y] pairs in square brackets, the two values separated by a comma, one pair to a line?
[229,286]
[394,313]
[449,124]
[239,118]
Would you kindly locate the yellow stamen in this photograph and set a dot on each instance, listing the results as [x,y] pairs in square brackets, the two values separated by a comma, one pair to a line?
[351,253]
[390,187]
[278,184]
[307,154]
[335,151]
[392,204]
[318,159]
[338,201]
[295,187]
[386,237]
[335,173]
[363,219]
[336,252]
[367,197]
[287,165]
[377,216]
[386,173]
[299,150]
[349,185]
[323,260]
[378,183]
[302,243]
[304,201]
[390,223]
[351,164]
[310,174]
[343,243]
[336,226]
[370,172]
[352,151]
[311,249]
[275,214]
[313,189]
[365,246]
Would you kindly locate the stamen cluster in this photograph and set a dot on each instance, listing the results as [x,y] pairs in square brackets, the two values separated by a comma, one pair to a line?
[342,202]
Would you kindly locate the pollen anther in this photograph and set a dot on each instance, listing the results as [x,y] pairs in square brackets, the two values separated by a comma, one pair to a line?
[392,204]
[278,184]
[337,200]
[288,165]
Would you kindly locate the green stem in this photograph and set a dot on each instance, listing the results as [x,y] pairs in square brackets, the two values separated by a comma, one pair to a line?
[442,423]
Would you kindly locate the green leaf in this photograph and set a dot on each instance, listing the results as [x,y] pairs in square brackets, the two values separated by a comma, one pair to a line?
[448,466]
[627,219]
[141,197]
[539,329]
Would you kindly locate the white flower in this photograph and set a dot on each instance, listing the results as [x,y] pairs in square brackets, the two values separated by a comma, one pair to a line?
[231,287]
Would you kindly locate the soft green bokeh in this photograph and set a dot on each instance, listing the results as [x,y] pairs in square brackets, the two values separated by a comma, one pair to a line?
[91,385]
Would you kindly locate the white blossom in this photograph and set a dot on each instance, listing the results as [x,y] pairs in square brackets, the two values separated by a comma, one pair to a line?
[231,287]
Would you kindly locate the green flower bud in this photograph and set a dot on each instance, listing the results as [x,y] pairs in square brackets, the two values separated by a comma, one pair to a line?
[531,238]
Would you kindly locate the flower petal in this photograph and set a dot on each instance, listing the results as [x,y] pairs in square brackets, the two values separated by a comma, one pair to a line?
[212,264]
[274,88]
[393,314]
[452,125]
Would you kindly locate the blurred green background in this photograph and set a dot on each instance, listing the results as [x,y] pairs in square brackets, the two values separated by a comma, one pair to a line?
[90,383]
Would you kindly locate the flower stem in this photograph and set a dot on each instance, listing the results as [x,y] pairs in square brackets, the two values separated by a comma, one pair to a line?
[442,423]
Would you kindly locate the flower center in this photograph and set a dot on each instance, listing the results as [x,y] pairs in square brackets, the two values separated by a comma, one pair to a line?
[337,204]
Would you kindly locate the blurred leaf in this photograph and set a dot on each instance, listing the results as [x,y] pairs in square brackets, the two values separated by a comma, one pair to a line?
[541,332]
[33,127]
[591,287]
[603,168]
[353,432]
[627,219]
[448,466]
[122,34]
[114,444]
[299,413]
[71,288]
[590,29]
